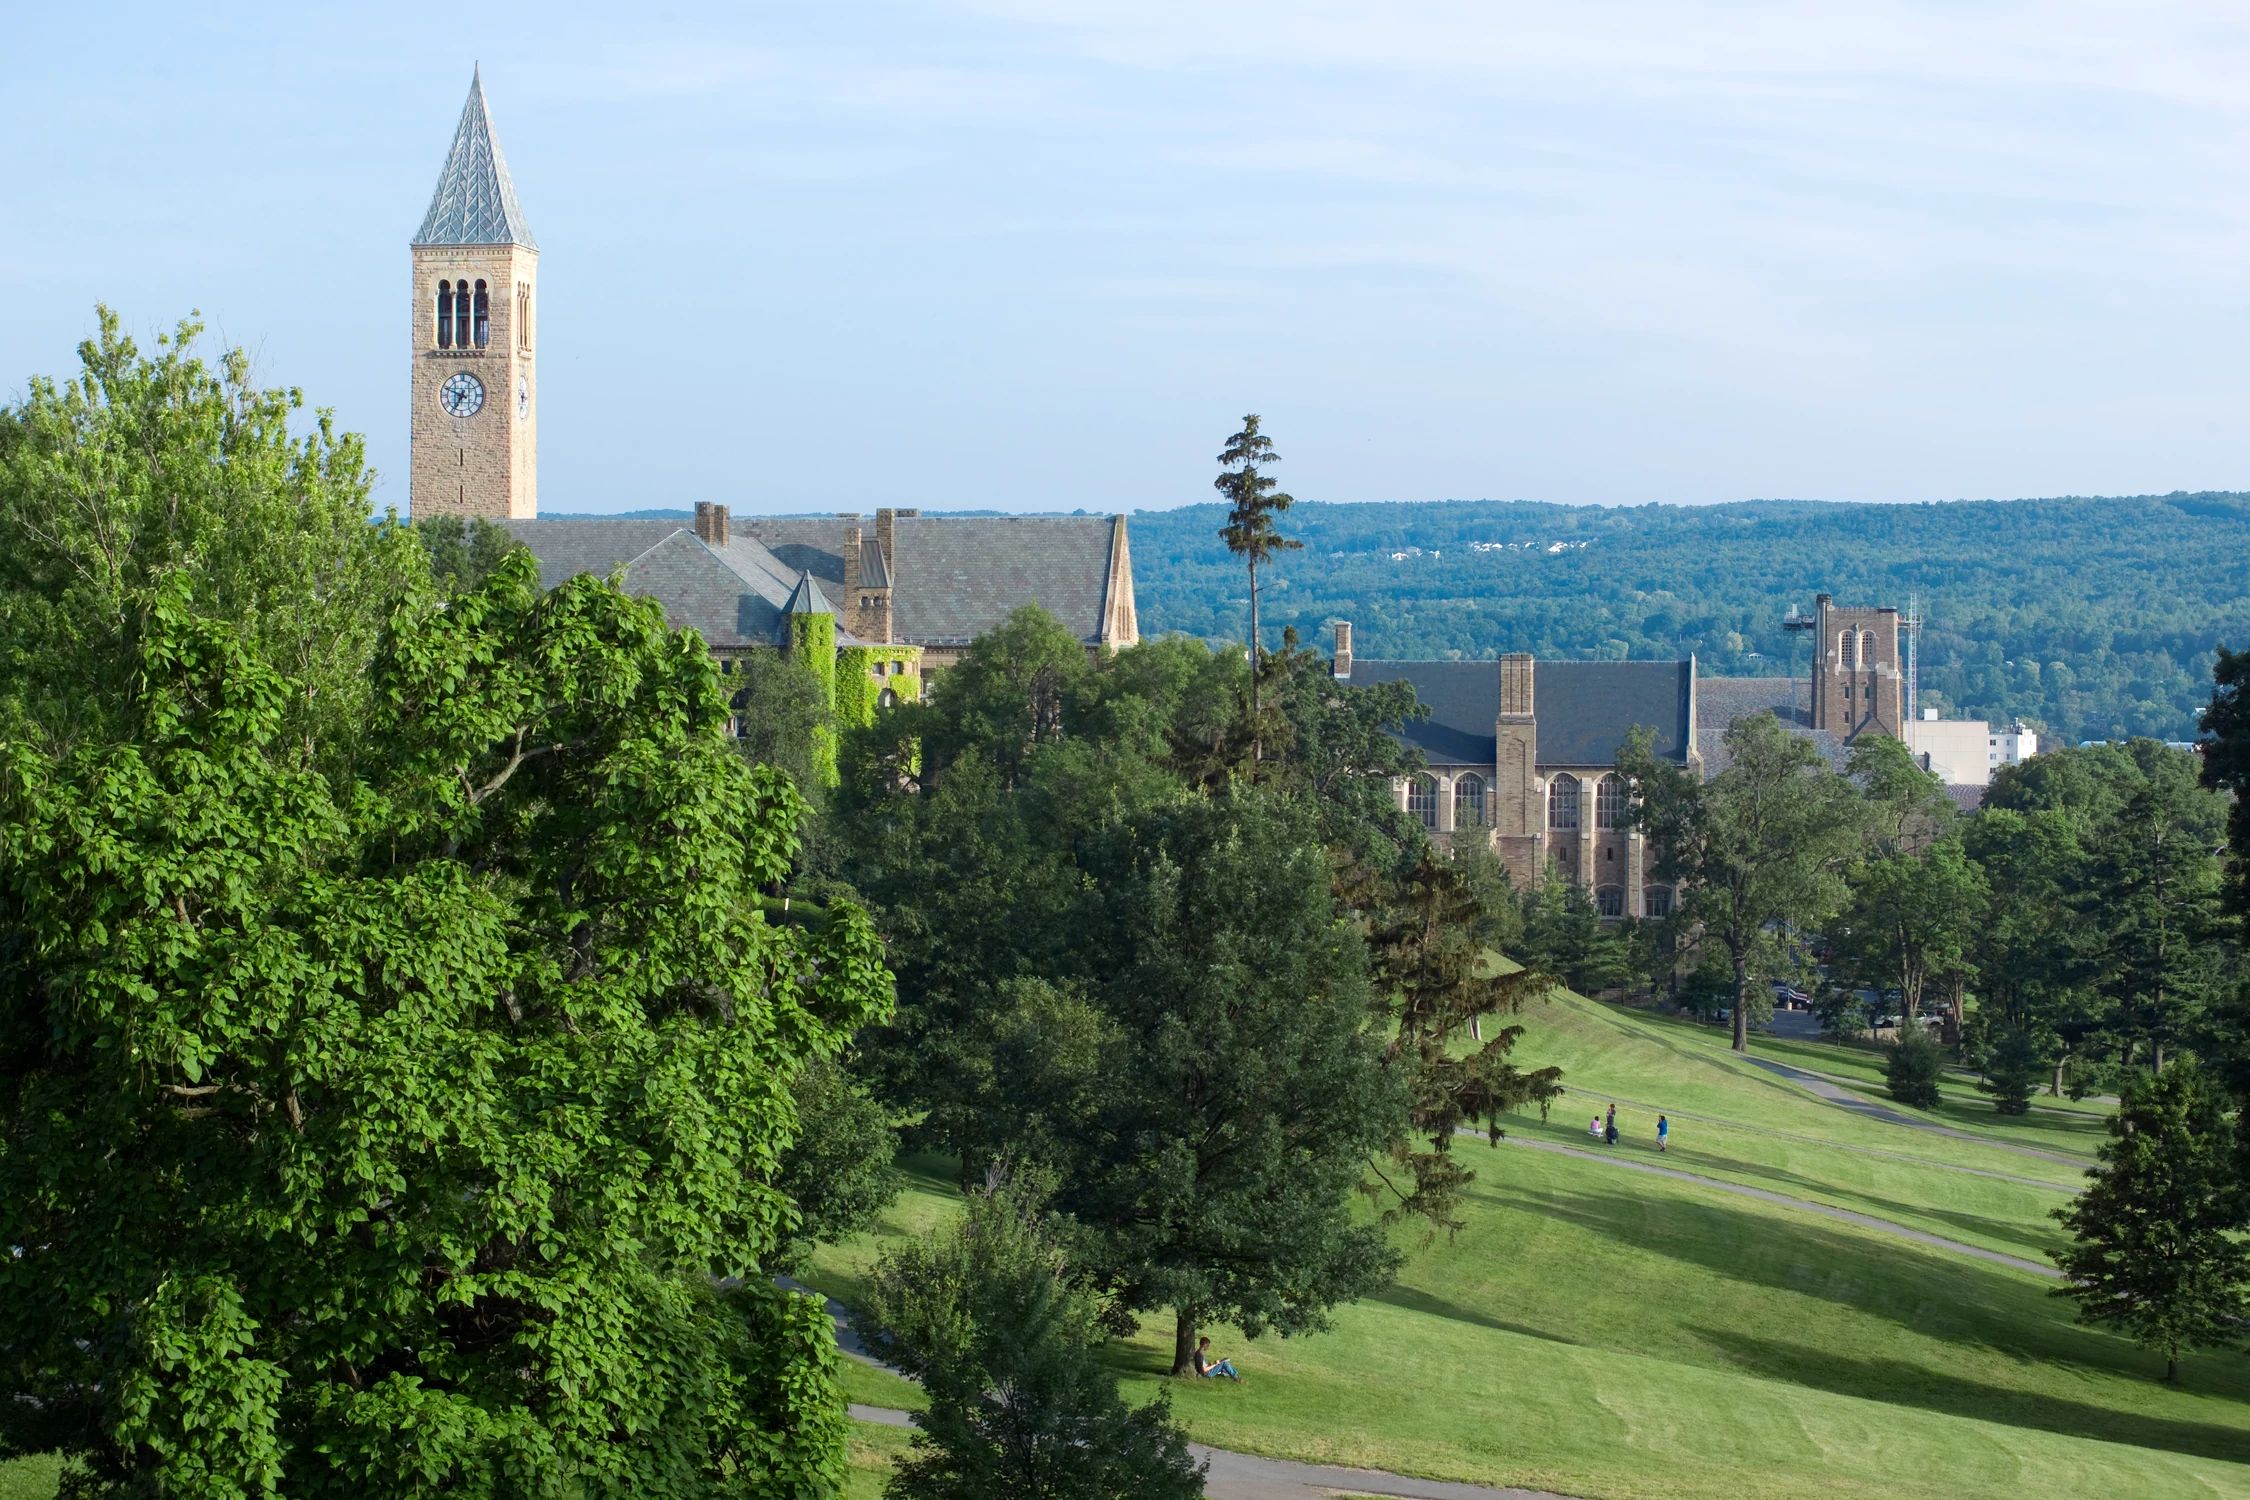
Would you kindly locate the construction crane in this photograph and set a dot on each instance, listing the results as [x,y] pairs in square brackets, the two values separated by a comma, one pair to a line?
[1910,625]
[1797,624]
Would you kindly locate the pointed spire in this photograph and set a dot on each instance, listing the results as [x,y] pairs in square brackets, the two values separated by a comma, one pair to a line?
[806,598]
[475,202]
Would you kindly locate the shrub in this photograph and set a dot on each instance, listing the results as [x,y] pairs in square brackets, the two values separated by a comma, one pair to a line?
[2012,1072]
[1911,1067]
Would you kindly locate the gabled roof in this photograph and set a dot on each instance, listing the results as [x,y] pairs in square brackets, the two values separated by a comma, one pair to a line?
[1584,709]
[475,202]
[1719,701]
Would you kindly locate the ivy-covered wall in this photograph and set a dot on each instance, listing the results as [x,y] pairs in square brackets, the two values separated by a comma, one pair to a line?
[813,639]
[857,685]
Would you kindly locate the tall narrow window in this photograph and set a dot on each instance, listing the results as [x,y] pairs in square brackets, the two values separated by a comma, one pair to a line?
[445,315]
[1867,650]
[1468,801]
[523,317]
[1562,802]
[1609,900]
[1656,900]
[1421,799]
[1846,656]
[1609,802]
[484,318]
[463,306]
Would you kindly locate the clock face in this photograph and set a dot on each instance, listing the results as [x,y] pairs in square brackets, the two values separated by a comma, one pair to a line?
[462,395]
[523,396]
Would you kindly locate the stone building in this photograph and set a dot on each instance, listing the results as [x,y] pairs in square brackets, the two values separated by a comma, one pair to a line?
[1521,753]
[1857,686]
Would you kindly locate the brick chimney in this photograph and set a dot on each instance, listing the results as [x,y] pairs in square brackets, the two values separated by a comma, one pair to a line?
[1343,666]
[852,537]
[1516,674]
[713,522]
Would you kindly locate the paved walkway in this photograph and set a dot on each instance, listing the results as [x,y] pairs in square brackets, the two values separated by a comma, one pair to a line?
[1820,1140]
[1843,1098]
[1245,1476]
[1802,1205]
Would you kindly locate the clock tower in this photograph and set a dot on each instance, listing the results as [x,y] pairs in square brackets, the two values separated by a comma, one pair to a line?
[474,423]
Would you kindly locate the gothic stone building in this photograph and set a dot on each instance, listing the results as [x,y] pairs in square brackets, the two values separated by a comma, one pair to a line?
[1522,753]
[908,594]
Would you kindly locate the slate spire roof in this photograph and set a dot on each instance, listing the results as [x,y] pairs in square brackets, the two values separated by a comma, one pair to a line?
[475,202]
[806,598]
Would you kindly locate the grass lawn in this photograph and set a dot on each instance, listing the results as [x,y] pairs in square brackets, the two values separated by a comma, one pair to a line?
[29,1478]
[873,1451]
[1611,1334]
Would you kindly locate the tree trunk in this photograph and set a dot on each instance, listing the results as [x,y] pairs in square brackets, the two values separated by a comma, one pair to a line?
[1183,1341]
[2171,1367]
[1741,1010]
[1256,748]
[2156,1057]
[2054,1090]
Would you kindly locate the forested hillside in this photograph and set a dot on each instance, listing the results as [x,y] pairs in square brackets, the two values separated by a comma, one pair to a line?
[2091,617]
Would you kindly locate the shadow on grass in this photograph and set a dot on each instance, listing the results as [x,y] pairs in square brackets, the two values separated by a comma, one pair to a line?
[1932,1293]
[1899,1383]
[1415,1300]
[2025,1240]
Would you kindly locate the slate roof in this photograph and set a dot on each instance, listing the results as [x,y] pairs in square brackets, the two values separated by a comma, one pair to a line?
[953,578]
[1719,701]
[806,598]
[475,202]
[1584,709]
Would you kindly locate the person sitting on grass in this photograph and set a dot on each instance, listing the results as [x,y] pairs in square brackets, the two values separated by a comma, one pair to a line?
[1594,1127]
[1209,1368]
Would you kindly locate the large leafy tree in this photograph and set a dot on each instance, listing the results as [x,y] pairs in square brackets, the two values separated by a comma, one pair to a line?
[2226,767]
[1911,919]
[2158,1251]
[394,1054]
[1254,498]
[2030,951]
[995,1323]
[1761,846]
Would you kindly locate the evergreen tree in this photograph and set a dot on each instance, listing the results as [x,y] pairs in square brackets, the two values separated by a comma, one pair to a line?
[1912,1065]
[2158,1250]
[995,1322]
[1254,499]
[2011,1073]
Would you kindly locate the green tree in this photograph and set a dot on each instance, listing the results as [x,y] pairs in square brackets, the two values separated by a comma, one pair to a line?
[463,551]
[1907,807]
[417,1101]
[2030,951]
[2158,1251]
[1564,935]
[1759,846]
[998,1327]
[143,467]
[1254,499]
[781,710]
[837,1172]
[1912,1066]
[2226,767]
[1911,919]
[1436,982]
[2012,1063]
[1248,1088]
[2151,899]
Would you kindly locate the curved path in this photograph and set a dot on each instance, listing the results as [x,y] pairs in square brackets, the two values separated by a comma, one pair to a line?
[1845,1099]
[1801,1205]
[1245,1476]
[1233,1476]
[1777,1133]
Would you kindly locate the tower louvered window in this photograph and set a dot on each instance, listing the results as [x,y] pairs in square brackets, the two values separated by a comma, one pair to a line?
[463,308]
[445,315]
[484,317]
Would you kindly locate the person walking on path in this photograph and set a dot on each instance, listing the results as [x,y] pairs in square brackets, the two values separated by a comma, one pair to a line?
[1609,1129]
[1663,1134]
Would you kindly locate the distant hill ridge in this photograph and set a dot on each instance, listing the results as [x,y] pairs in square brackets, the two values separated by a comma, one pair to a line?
[2095,617]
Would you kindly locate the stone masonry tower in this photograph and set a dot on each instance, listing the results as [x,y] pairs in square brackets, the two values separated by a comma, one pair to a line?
[474,421]
[1857,688]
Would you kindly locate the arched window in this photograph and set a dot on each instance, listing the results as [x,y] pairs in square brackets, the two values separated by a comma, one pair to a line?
[886,699]
[484,317]
[1609,900]
[1562,802]
[445,315]
[1847,655]
[1421,799]
[1468,801]
[523,317]
[1656,900]
[1867,650]
[1609,803]
[463,307]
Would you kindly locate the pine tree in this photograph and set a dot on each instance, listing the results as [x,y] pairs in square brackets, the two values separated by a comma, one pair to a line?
[1250,533]
[2158,1251]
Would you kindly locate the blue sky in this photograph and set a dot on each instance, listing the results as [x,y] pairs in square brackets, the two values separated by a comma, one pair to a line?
[1042,255]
